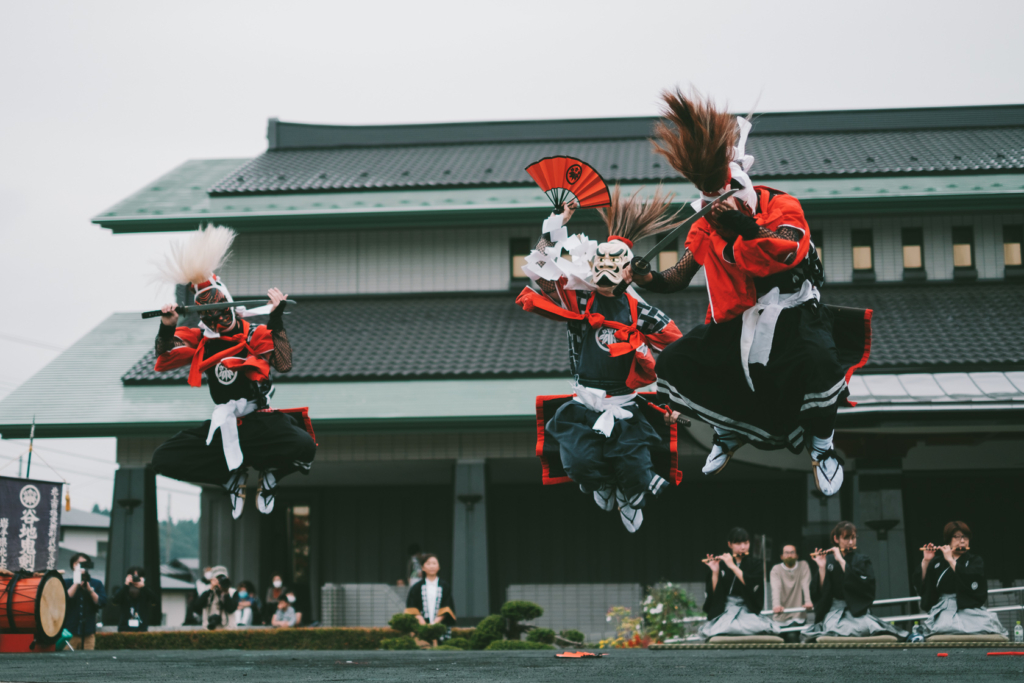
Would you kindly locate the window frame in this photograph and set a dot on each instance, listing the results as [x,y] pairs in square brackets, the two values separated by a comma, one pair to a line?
[859,238]
[913,237]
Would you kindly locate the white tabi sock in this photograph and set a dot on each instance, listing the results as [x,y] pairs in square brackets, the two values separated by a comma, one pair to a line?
[820,445]
[731,439]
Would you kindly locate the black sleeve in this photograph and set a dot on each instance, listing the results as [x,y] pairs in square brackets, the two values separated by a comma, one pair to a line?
[447,610]
[414,602]
[230,602]
[675,278]
[859,584]
[739,223]
[714,603]
[971,585]
[753,584]
[164,339]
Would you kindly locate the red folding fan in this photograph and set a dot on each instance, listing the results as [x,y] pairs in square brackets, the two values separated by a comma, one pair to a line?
[565,179]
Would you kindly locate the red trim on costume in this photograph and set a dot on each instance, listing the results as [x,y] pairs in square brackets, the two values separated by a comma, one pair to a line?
[546,477]
[867,353]
[253,367]
[620,238]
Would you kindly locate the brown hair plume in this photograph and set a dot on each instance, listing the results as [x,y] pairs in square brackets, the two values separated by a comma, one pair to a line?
[699,143]
[635,217]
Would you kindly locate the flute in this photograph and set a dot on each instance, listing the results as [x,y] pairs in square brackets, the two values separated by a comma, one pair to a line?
[736,556]
[819,553]
[940,547]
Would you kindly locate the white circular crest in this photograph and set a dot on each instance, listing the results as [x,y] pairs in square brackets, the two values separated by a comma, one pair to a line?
[30,496]
[224,375]
[605,337]
[974,586]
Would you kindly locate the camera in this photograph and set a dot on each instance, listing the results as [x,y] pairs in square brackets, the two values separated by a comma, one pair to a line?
[213,621]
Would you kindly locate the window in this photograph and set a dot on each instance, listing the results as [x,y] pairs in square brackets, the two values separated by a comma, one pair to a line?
[1012,237]
[818,240]
[863,261]
[913,254]
[519,248]
[667,259]
[963,253]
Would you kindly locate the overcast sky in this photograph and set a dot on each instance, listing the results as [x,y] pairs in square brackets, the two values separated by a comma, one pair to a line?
[99,98]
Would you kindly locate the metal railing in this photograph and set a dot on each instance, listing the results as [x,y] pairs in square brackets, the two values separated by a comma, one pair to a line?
[879,603]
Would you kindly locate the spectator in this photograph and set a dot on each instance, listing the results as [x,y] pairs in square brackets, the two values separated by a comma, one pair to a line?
[791,587]
[285,617]
[249,608]
[86,597]
[430,598]
[276,591]
[292,600]
[219,602]
[135,602]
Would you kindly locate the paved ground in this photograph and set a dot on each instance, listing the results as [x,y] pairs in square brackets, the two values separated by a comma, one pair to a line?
[720,666]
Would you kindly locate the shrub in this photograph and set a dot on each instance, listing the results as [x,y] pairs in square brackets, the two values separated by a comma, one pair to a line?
[328,638]
[541,635]
[460,643]
[451,648]
[573,635]
[518,645]
[431,632]
[399,643]
[492,628]
[404,623]
[517,611]
[664,608]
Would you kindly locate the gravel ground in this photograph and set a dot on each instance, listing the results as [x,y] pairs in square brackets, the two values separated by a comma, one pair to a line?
[721,666]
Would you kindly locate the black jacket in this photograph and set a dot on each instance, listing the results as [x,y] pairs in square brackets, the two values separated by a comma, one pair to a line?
[751,589]
[855,585]
[446,601]
[967,581]
[141,606]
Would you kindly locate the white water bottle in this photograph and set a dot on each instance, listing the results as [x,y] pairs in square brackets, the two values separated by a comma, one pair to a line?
[1018,633]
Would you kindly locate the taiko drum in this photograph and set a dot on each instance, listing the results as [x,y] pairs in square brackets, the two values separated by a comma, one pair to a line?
[33,604]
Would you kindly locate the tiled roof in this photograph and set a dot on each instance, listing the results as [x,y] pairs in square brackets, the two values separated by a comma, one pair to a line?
[916,327]
[501,164]
[304,158]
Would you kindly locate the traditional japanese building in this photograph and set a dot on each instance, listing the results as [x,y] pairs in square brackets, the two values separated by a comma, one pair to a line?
[403,246]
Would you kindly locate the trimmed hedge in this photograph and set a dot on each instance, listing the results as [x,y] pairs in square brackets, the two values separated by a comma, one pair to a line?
[541,635]
[249,639]
[490,629]
[518,645]
[399,643]
[458,643]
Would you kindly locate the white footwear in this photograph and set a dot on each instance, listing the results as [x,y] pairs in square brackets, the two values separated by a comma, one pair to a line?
[265,494]
[720,455]
[828,472]
[605,499]
[236,488]
[631,517]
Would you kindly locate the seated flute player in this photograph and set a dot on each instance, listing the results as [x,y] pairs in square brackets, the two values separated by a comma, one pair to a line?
[847,589]
[604,439]
[735,593]
[954,588]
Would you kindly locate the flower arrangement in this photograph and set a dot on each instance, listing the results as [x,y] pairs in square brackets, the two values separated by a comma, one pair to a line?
[664,609]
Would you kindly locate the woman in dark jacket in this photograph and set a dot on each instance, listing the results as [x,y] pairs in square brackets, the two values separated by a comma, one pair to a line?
[430,598]
[135,602]
[735,593]
[954,588]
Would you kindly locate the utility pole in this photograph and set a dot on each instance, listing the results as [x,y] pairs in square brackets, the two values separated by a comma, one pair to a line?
[31,439]
[167,559]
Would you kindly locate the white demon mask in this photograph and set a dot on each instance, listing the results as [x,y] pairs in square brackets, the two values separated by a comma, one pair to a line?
[610,261]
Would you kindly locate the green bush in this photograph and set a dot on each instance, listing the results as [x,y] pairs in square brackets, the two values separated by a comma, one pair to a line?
[573,635]
[541,635]
[452,648]
[460,643]
[431,632]
[521,610]
[399,643]
[518,645]
[404,623]
[249,639]
[492,628]
[664,610]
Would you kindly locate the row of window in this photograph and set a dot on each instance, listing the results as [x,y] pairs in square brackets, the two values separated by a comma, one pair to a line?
[863,252]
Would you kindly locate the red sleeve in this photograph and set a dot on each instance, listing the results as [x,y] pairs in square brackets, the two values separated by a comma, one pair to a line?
[668,334]
[182,355]
[766,256]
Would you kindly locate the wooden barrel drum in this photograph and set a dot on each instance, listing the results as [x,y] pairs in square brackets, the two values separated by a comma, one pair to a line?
[33,604]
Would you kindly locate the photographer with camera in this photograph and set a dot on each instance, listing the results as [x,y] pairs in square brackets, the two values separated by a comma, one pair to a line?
[135,602]
[220,602]
[86,597]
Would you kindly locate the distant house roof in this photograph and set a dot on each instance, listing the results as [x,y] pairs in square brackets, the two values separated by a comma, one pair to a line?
[487,336]
[304,158]
[81,518]
[397,176]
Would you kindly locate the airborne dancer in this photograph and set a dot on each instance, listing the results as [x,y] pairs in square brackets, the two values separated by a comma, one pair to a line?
[236,357]
[764,369]
[604,439]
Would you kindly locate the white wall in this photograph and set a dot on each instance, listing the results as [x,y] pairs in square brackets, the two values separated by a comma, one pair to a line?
[174,604]
[83,540]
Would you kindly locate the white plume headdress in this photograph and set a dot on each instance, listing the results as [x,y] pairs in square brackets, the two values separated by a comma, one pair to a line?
[197,258]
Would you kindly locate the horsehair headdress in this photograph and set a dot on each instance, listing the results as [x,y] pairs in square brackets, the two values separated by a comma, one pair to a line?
[636,217]
[701,141]
[197,258]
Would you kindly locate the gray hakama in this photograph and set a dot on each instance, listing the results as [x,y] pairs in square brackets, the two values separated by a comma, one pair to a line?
[838,622]
[737,620]
[946,619]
